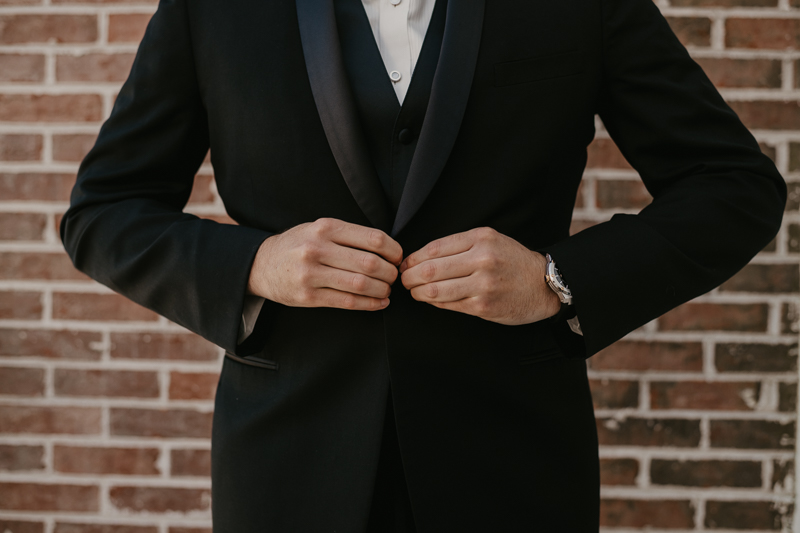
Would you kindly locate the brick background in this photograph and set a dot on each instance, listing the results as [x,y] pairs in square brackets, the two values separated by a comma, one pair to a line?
[105,408]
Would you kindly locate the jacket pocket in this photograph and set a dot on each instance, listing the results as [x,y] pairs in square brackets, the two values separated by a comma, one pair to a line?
[541,356]
[252,360]
[538,68]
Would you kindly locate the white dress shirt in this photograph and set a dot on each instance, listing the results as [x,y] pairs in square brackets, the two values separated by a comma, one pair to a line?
[399,27]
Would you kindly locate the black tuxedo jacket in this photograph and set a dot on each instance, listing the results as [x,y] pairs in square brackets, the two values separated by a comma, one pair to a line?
[495,422]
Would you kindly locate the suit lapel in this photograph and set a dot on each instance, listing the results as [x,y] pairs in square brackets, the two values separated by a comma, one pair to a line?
[448,101]
[336,108]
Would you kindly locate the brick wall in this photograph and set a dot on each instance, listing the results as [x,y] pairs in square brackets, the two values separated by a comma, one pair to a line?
[105,408]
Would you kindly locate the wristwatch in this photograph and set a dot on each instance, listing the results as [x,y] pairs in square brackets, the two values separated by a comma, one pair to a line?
[554,280]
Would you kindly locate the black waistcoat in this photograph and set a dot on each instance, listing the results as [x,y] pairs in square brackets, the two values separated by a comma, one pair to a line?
[391,130]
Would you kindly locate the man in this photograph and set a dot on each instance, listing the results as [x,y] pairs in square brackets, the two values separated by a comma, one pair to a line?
[411,368]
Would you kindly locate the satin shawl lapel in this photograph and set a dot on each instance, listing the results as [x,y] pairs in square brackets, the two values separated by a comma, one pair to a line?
[336,108]
[449,94]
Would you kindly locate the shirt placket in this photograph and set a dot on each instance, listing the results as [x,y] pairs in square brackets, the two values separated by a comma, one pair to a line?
[394,44]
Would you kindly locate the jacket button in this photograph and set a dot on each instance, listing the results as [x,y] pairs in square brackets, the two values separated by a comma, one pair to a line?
[405,136]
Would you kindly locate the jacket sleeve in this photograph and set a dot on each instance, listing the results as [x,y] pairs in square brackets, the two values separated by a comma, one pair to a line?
[125,226]
[717,199]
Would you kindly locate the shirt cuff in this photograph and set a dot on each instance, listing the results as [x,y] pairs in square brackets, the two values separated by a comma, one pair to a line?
[250,310]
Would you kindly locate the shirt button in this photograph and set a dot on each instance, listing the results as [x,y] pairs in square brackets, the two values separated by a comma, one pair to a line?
[395,76]
[395,2]
[405,136]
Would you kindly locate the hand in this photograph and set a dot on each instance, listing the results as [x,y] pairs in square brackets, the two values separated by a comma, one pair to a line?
[327,263]
[483,273]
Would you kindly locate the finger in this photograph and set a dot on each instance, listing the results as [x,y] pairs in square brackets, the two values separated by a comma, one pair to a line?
[450,290]
[344,300]
[360,237]
[451,267]
[352,282]
[450,245]
[352,260]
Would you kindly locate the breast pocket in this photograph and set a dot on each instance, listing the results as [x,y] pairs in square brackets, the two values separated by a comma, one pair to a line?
[538,68]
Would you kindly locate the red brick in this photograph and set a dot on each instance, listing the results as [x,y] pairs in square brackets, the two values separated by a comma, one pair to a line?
[193,386]
[191,463]
[64,527]
[21,381]
[782,475]
[21,67]
[757,73]
[577,225]
[19,147]
[614,394]
[787,397]
[108,383]
[707,316]
[94,460]
[51,107]
[20,305]
[754,434]
[603,153]
[778,34]
[50,420]
[692,31]
[622,194]
[20,457]
[618,471]
[169,423]
[22,226]
[105,307]
[724,3]
[128,28]
[160,499]
[41,497]
[36,186]
[793,196]
[72,147]
[163,346]
[641,355]
[793,242]
[34,265]
[44,28]
[796,63]
[706,473]
[790,318]
[744,515]
[772,278]
[755,357]
[648,432]
[704,395]
[50,344]
[201,191]
[94,67]
[768,150]
[768,115]
[671,514]
[19,526]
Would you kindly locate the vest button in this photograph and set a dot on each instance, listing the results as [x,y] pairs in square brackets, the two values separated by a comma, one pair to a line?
[405,136]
